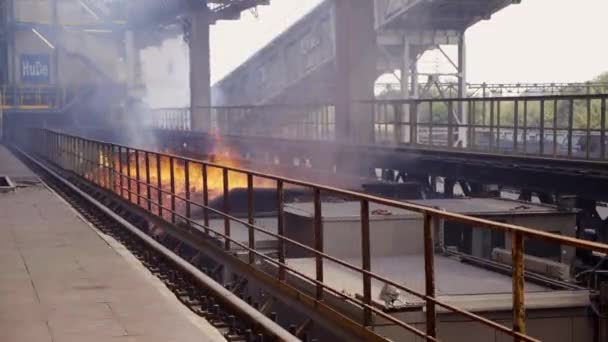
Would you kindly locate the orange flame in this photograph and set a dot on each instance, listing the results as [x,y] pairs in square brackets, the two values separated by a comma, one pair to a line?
[136,169]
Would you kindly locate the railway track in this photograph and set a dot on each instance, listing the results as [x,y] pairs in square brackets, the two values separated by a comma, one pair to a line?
[177,265]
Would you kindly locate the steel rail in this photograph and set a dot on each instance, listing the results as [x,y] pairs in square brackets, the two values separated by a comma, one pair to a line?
[266,323]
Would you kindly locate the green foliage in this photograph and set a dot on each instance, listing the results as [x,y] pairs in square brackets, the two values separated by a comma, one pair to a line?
[556,113]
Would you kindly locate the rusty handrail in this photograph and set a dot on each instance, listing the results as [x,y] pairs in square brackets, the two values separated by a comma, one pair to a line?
[79,155]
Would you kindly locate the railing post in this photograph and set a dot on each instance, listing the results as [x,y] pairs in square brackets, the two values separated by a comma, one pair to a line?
[429,272]
[137,178]
[515,126]
[491,136]
[250,220]
[69,155]
[570,125]
[318,241]
[81,159]
[148,188]
[470,125]
[112,168]
[187,189]
[85,162]
[498,122]
[205,198]
[59,150]
[129,173]
[281,228]
[159,185]
[69,151]
[398,110]
[542,127]
[120,170]
[226,208]
[106,165]
[85,159]
[519,310]
[172,184]
[555,128]
[603,130]
[97,155]
[413,123]
[96,165]
[430,141]
[75,153]
[588,134]
[525,127]
[450,124]
[366,262]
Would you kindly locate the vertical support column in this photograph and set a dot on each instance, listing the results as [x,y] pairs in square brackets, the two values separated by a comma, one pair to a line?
[200,71]
[414,91]
[519,309]
[429,272]
[355,44]
[406,67]
[366,262]
[55,21]
[462,89]
[10,45]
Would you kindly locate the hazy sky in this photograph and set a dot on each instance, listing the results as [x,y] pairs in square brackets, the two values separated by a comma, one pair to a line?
[536,41]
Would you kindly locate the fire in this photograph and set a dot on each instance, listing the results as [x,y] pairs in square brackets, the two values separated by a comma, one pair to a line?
[135,168]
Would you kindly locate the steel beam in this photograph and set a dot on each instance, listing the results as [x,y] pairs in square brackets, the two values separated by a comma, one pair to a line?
[355,46]
[462,89]
[200,71]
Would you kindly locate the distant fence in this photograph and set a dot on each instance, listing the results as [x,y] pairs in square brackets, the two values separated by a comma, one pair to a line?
[560,126]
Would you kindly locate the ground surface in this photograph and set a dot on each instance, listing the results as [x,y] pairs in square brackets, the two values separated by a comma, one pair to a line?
[63,281]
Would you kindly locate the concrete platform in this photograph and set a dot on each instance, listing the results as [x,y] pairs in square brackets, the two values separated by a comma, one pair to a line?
[61,280]
[11,167]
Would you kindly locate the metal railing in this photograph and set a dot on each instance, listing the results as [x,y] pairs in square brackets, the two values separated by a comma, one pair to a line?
[40,97]
[556,126]
[315,122]
[176,119]
[26,97]
[137,176]
[560,126]
[434,88]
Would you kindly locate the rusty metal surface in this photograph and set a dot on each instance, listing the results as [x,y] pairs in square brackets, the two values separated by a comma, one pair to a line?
[519,310]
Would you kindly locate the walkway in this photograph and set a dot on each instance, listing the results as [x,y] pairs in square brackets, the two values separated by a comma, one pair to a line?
[61,280]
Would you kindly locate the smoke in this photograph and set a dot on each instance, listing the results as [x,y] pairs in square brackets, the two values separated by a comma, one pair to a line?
[165,74]
[161,82]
